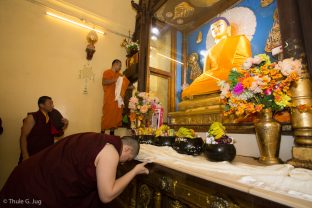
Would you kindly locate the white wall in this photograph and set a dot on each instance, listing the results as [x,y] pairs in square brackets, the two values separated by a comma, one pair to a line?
[42,56]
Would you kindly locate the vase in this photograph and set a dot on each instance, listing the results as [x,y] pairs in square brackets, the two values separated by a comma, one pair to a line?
[136,124]
[220,152]
[189,146]
[146,139]
[131,52]
[268,133]
[164,140]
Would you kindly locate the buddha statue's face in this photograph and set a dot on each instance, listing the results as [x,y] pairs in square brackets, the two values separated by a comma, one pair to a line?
[219,29]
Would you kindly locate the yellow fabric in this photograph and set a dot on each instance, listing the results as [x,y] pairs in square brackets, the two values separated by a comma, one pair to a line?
[222,57]
[112,115]
[45,115]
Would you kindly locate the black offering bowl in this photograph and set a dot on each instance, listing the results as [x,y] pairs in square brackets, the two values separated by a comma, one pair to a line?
[189,146]
[164,140]
[145,139]
[220,152]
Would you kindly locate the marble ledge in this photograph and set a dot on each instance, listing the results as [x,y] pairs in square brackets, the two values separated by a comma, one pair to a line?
[228,180]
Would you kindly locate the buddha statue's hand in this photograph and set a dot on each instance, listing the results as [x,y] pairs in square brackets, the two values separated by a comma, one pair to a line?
[208,73]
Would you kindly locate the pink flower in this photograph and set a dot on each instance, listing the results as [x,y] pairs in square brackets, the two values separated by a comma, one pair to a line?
[268,91]
[238,89]
[134,100]
[247,64]
[144,109]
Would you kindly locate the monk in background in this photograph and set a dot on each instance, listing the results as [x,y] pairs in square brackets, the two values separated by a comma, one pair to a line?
[228,52]
[39,128]
[113,104]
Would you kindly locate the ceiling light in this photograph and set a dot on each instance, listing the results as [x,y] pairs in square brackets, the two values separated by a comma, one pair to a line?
[74,22]
[155,31]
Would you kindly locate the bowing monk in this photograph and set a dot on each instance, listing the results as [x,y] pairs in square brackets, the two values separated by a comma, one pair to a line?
[228,52]
[114,86]
[79,171]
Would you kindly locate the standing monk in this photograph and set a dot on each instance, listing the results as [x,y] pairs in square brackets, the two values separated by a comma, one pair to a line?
[39,129]
[114,91]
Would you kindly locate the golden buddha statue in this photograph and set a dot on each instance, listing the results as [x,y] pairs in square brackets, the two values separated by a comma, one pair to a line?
[228,52]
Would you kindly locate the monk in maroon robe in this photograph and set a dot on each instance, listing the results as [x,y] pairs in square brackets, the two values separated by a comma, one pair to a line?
[39,128]
[79,171]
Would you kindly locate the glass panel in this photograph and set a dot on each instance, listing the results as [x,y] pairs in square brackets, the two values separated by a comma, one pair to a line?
[160,51]
[159,88]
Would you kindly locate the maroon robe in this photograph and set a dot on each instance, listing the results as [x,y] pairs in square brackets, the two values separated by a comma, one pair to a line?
[40,135]
[63,175]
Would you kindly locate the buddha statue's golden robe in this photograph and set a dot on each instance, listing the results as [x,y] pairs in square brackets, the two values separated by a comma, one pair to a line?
[227,53]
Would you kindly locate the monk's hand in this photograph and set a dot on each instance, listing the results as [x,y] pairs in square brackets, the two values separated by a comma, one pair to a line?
[25,157]
[140,169]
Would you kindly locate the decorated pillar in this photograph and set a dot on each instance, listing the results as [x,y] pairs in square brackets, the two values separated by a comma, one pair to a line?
[291,31]
[143,23]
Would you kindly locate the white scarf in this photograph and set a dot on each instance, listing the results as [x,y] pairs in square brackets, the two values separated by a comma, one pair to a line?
[118,97]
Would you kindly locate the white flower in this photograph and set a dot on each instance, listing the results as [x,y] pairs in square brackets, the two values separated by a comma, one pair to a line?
[256,85]
[255,88]
[245,95]
[142,94]
[247,64]
[224,87]
[134,100]
[210,139]
[257,60]
[287,66]
[132,106]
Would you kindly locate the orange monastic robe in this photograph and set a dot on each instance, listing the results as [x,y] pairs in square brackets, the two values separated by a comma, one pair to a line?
[222,57]
[112,115]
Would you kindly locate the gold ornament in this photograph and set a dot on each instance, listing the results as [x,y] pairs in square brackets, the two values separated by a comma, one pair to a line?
[183,10]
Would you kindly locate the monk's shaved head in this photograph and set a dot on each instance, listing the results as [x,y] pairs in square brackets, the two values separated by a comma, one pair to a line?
[116,61]
[133,143]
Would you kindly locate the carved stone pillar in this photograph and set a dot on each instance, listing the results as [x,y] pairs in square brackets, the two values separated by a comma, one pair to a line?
[143,24]
[302,91]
